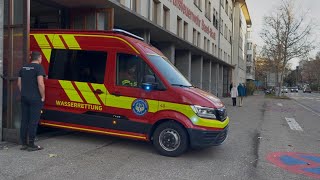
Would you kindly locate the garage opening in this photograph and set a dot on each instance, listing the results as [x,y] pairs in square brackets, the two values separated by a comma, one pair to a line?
[22,15]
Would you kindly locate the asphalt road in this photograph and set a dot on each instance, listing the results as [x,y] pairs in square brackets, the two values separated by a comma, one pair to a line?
[310,100]
[257,131]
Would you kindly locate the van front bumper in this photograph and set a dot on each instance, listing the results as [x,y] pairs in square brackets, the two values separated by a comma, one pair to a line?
[201,138]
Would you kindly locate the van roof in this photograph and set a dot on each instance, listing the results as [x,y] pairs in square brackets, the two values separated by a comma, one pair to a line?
[113,31]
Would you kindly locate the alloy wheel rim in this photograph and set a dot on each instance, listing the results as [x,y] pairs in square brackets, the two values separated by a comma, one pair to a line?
[169,139]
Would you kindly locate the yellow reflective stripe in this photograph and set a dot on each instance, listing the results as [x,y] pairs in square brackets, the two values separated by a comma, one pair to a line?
[41,40]
[119,102]
[153,106]
[92,130]
[103,96]
[112,37]
[71,41]
[126,103]
[210,122]
[47,53]
[188,112]
[56,41]
[70,91]
[44,45]
[87,93]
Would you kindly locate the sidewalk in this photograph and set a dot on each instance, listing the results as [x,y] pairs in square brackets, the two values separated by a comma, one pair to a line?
[75,155]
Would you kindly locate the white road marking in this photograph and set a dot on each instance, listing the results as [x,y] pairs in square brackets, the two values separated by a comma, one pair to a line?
[279,104]
[293,124]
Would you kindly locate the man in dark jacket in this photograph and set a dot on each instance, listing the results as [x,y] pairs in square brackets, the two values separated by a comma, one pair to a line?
[31,85]
[241,94]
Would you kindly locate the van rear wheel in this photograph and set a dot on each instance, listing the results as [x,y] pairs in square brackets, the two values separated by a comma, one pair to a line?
[170,139]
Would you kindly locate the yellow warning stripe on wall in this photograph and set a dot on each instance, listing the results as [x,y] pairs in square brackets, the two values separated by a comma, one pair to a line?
[87,93]
[70,91]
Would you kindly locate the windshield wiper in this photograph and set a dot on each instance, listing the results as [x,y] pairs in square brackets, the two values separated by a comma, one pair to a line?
[181,85]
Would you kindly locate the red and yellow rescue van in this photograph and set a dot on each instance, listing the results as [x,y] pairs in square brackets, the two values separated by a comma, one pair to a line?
[111,82]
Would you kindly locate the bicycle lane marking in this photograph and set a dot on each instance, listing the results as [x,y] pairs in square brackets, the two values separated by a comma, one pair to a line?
[307,164]
[293,124]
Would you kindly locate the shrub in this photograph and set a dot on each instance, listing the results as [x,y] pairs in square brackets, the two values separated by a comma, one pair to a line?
[251,87]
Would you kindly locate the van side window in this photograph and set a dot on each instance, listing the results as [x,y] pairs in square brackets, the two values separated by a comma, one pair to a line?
[131,70]
[78,65]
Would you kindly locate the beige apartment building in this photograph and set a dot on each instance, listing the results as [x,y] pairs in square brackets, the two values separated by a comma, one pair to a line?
[204,39]
[251,56]
[214,32]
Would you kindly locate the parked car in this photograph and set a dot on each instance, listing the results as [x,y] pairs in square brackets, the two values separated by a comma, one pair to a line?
[284,90]
[268,91]
[294,89]
[307,89]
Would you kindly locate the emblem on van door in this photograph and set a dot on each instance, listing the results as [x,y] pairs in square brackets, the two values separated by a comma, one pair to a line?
[140,107]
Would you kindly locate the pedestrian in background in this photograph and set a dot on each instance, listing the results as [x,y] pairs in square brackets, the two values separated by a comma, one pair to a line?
[234,95]
[245,90]
[241,94]
[31,86]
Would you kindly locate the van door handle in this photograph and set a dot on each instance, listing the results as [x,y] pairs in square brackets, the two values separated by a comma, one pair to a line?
[117,93]
[98,91]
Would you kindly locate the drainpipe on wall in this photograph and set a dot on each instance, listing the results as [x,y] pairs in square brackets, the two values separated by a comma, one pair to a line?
[149,8]
[231,41]
[219,54]
[1,63]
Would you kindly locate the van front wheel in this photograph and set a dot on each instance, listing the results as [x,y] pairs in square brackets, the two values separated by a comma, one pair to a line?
[170,139]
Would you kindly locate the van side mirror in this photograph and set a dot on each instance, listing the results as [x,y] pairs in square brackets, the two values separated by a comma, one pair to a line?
[147,86]
[150,79]
[149,82]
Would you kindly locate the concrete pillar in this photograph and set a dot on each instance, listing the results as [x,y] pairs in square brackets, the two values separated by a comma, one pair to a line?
[168,49]
[183,62]
[206,75]
[196,71]
[214,78]
[1,63]
[229,78]
[225,81]
[220,86]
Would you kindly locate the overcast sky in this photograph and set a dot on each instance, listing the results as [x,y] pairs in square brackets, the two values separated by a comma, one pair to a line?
[259,8]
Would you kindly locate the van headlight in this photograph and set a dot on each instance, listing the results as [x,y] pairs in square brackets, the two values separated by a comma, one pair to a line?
[204,112]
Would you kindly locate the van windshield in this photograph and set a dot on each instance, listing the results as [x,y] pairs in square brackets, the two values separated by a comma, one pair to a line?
[170,72]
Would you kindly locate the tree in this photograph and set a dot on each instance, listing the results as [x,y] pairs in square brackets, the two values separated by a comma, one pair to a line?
[286,35]
[262,69]
[311,73]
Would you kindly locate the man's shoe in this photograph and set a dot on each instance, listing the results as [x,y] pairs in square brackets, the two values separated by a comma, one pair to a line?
[24,147]
[34,148]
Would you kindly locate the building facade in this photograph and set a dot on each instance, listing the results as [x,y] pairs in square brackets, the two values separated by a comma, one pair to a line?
[218,27]
[241,23]
[204,39]
[251,56]
[204,24]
